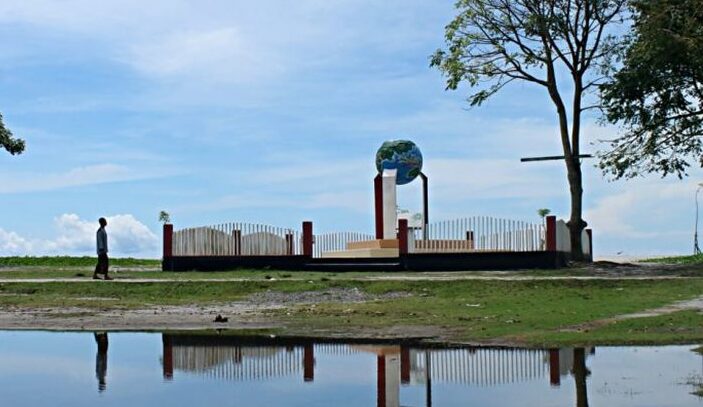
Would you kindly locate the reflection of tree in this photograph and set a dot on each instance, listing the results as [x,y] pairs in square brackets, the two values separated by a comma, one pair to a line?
[101,360]
[580,374]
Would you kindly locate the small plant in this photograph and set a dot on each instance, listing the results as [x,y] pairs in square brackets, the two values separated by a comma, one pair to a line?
[164,217]
[543,212]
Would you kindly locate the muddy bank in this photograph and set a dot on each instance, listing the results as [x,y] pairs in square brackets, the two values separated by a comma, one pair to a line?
[250,314]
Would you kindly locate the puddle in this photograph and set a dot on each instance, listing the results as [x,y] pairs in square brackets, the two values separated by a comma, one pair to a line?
[147,369]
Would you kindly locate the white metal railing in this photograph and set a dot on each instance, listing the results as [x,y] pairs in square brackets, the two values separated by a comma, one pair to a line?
[336,242]
[479,233]
[237,239]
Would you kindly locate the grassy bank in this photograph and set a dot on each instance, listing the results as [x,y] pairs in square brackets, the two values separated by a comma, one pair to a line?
[539,312]
[71,261]
[682,260]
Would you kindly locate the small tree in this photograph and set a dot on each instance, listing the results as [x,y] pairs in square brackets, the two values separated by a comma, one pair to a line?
[164,217]
[543,212]
[7,140]
[492,43]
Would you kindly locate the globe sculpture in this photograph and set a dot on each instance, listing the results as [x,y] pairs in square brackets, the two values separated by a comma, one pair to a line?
[401,155]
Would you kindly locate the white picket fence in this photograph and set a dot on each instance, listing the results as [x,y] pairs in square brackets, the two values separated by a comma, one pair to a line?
[337,241]
[237,239]
[479,233]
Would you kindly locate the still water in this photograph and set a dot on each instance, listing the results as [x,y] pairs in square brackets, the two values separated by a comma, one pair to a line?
[146,369]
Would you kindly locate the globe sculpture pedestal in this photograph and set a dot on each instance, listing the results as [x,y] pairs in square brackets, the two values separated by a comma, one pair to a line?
[398,163]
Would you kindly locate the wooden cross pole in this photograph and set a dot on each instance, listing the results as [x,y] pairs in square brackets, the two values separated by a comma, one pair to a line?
[552,157]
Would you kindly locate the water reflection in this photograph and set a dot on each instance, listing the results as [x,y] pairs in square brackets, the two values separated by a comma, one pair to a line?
[101,360]
[182,370]
[245,359]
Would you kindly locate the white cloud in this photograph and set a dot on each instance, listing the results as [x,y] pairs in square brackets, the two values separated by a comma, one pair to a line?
[127,236]
[88,175]
[13,244]
[221,55]
[646,209]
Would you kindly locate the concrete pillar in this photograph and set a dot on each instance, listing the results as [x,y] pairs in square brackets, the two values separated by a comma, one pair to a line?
[168,240]
[403,236]
[167,357]
[554,370]
[378,205]
[551,233]
[309,363]
[404,365]
[307,239]
[390,204]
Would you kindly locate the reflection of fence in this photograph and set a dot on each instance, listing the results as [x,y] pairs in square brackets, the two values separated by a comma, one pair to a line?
[335,242]
[468,366]
[482,367]
[236,239]
[238,363]
[479,233]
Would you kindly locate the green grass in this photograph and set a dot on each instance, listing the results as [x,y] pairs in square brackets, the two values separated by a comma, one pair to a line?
[68,261]
[525,312]
[528,312]
[681,327]
[693,259]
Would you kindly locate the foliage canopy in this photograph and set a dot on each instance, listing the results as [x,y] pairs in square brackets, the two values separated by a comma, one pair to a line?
[8,141]
[657,95]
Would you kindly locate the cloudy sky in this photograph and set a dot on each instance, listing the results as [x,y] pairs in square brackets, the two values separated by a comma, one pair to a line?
[271,111]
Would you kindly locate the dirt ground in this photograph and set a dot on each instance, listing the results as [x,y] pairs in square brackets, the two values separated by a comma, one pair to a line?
[243,315]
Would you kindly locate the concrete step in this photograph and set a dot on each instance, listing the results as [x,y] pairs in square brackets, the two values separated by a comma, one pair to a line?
[348,266]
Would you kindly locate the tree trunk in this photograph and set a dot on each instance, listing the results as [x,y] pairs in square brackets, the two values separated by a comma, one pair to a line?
[570,145]
[580,377]
[576,223]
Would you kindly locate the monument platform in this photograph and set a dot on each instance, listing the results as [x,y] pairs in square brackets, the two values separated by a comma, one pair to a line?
[379,248]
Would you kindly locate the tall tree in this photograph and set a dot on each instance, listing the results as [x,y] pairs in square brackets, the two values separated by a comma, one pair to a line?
[492,43]
[657,95]
[8,141]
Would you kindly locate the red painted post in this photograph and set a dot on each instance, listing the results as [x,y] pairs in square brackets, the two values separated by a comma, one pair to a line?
[404,365]
[403,236]
[378,202]
[551,233]
[381,381]
[168,357]
[589,233]
[307,239]
[309,363]
[554,374]
[168,240]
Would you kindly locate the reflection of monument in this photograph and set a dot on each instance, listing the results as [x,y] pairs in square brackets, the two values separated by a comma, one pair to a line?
[398,162]
[259,359]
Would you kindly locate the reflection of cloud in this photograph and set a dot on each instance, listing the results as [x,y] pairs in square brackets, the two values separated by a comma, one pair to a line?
[127,236]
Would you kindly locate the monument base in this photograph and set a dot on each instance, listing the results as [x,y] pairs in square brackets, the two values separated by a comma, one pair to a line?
[379,248]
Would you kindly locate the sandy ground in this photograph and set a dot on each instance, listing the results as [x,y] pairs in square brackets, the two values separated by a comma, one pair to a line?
[248,314]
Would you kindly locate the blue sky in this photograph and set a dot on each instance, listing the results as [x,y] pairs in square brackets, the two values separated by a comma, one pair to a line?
[271,112]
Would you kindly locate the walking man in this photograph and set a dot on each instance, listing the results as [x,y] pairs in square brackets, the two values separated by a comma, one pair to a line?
[101,242]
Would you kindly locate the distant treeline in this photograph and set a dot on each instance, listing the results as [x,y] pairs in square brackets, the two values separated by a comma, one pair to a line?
[70,261]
